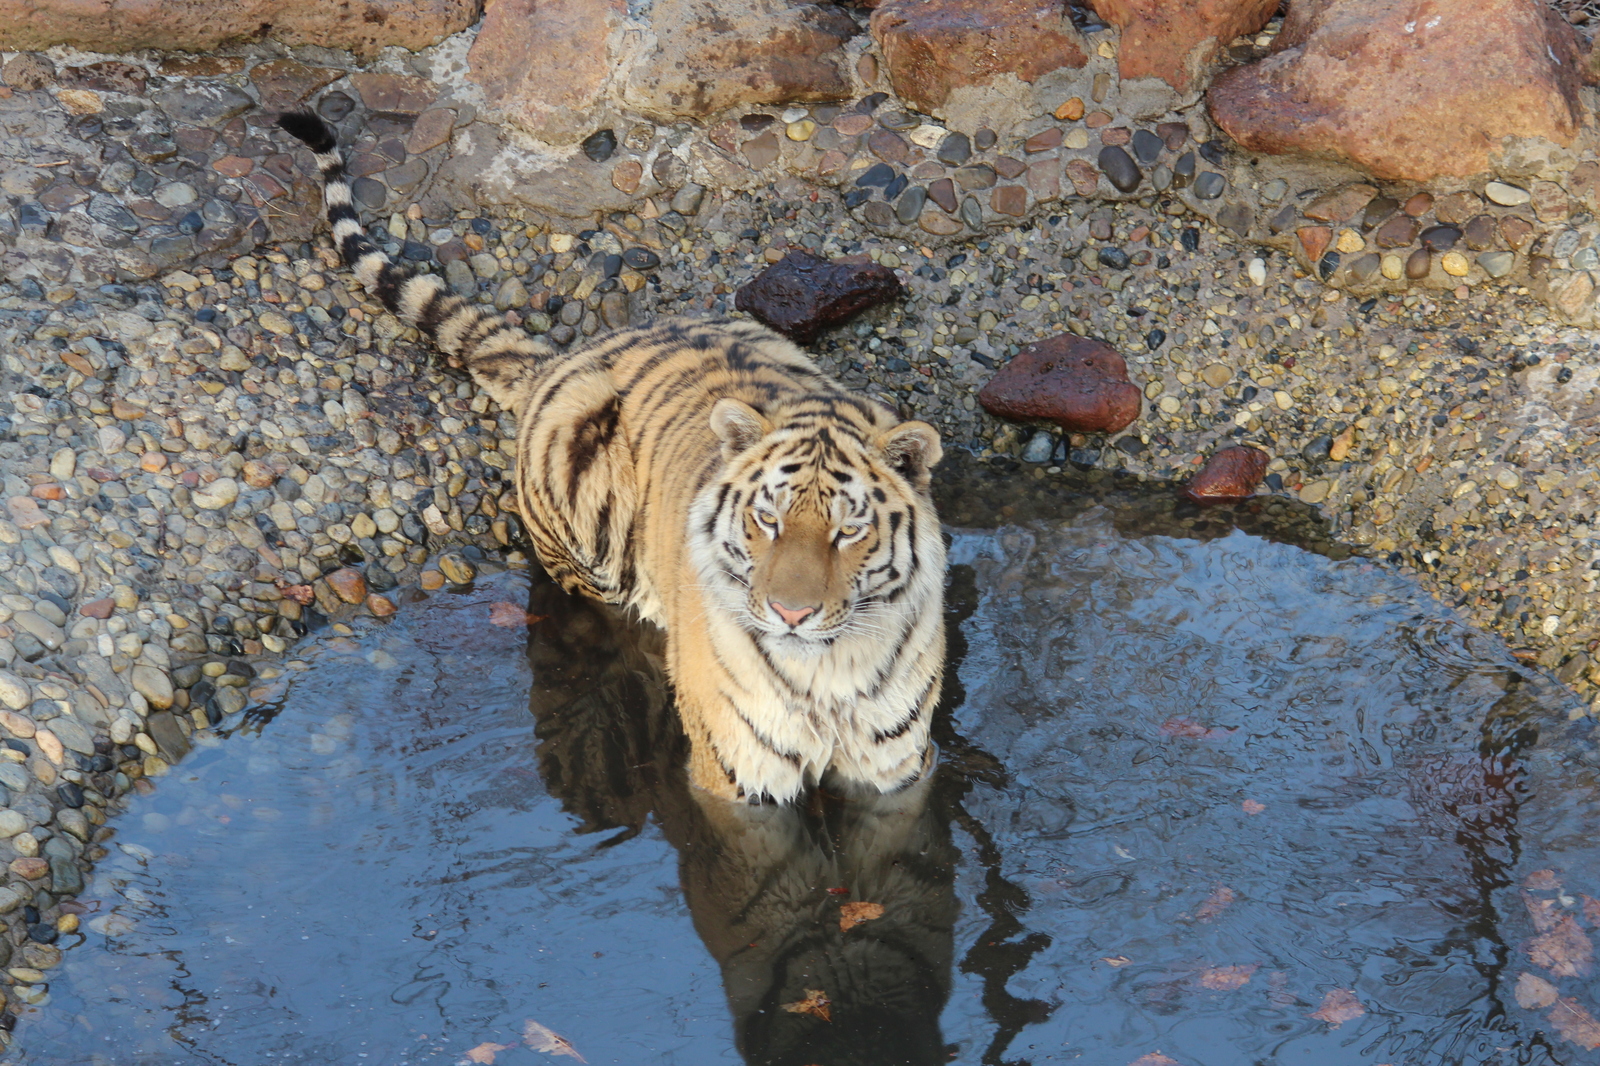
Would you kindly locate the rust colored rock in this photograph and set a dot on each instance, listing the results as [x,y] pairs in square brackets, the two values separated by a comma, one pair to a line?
[545,63]
[709,56]
[30,869]
[193,26]
[381,606]
[1078,384]
[803,294]
[933,47]
[1404,94]
[1009,200]
[348,585]
[399,94]
[100,608]
[1176,41]
[1315,240]
[1230,474]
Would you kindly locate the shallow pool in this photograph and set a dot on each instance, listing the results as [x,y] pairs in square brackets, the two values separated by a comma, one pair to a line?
[1205,797]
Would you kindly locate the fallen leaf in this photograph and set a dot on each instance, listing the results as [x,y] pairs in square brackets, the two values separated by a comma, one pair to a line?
[1340,1005]
[1155,1058]
[485,1053]
[1252,807]
[853,914]
[1542,881]
[1534,992]
[1574,1023]
[539,1038]
[815,1004]
[1116,960]
[1227,978]
[1545,913]
[1591,910]
[1565,951]
[511,616]
[1215,904]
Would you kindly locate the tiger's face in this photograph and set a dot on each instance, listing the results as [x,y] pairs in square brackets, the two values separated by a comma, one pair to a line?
[819,531]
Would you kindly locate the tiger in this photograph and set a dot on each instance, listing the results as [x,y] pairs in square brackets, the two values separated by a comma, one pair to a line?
[708,476]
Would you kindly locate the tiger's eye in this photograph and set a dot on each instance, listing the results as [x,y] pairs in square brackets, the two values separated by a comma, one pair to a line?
[849,531]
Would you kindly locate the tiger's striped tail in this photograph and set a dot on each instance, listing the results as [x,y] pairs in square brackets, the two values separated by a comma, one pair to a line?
[501,358]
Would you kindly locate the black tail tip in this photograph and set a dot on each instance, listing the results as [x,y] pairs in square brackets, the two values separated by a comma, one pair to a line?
[308,128]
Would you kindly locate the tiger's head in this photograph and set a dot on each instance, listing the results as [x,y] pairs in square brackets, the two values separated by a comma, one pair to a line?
[820,528]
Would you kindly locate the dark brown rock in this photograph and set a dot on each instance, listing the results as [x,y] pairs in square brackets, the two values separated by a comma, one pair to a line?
[1480,233]
[709,56]
[1009,200]
[888,146]
[1077,384]
[1172,134]
[1419,204]
[1176,41]
[1009,168]
[943,193]
[1516,231]
[1405,95]
[399,94]
[1315,240]
[933,47]
[1230,474]
[1418,264]
[803,294]
[110,76]
[1398,232]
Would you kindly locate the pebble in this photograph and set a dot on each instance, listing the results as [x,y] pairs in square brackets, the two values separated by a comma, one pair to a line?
[1119,168]
[456,569]
[1507,195]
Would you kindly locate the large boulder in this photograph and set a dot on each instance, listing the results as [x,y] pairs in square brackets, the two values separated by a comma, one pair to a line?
[707,56]
[933,48]
[1406,91]
[1176,41]
[1072,382]
[202,25]
[545,63]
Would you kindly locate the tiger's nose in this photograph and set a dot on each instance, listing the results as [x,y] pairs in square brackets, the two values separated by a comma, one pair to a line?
[792,616]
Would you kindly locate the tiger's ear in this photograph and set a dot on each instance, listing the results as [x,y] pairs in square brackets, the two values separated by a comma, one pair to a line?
[737,425]
[913,449]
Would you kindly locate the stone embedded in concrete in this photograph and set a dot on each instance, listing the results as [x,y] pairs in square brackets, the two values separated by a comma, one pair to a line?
[1078,384]
[284,83]
[1230,474]
[1406,97]
[1177,41]
[933,47]
[364,28]
[546,63]
[803,294]
[708,56]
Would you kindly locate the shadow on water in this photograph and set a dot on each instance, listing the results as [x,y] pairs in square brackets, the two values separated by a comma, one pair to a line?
[1200,771]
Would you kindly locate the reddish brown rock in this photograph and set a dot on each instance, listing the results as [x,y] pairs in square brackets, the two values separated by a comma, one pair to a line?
[1315,240]
[1077,384]
[1230,474]
[108,77]
[398,94]
[1398,232]
[283,83]
[1009,200]
[545,63]
[348,585]
[1176,41]
[1043,141]
[933,47]
[381,606]
[709,56]
[1402,91]
[803,294]
[30,869]
[190,26]
[100,608]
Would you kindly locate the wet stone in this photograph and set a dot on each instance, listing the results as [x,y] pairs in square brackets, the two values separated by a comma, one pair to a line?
[955,150]
[1147,146]
[1230,474]
[1078,384]
[803,294]
[1119,168]
[1209,186]
[600,145]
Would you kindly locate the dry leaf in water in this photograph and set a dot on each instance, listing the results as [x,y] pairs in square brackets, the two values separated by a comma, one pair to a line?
[1227,978]
[853,914]
[539,1038]
[1574,1023]
[1534,992]
[1155,1058]
[1542,881]
[1215,904]
[1340,1005]
[815,1004]
[301,594]
[1188,727]
[485,1053]
[1117,961]
[1591,910]
[1545,913]
[1565,950]
[1252,807]
[511,616]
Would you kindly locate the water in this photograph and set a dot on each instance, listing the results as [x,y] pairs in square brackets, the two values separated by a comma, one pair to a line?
[1194,779]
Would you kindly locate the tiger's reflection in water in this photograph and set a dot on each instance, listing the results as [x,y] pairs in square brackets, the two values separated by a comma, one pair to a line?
[762,882]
